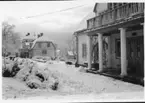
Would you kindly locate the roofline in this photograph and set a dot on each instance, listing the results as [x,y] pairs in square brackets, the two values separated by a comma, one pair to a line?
[95,7]
[42,41]
[79,31]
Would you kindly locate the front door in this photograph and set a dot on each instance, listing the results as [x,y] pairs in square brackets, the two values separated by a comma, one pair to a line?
[135,55]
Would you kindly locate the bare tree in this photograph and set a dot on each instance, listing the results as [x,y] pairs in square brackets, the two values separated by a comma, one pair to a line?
[6,30]
[16,40]
[10,39]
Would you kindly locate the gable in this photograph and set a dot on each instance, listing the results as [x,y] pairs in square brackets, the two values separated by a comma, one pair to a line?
[94,10]
[42,45]
[100,7]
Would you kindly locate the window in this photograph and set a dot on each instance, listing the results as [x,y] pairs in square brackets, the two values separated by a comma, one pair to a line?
[39,45]
[134,34]
[120,4]
[118,49]
[44,51]
[115,5]
[110,6]
[48,44]
[84,50]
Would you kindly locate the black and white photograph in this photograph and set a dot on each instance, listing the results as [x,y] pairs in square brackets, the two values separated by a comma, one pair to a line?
[72,50]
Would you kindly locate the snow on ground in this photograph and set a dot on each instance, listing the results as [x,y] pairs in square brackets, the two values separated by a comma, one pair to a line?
[98,83]
[74,85]
[14,89]
[93,97]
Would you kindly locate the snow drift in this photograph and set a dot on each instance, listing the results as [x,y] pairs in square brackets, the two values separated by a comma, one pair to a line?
[34,75]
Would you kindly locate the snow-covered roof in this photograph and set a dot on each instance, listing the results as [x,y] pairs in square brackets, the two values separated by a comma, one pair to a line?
[41,39]
[96,4]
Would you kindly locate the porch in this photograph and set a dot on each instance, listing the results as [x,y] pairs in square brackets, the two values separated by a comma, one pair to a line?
[116,74]
[126,60]
[127,17]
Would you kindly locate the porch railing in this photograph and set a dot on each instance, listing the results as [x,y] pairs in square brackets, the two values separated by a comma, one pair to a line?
[110,16]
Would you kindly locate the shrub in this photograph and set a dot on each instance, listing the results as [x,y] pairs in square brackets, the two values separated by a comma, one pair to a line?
[32,82]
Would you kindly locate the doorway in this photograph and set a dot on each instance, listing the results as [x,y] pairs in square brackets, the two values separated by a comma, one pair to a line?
[135,56]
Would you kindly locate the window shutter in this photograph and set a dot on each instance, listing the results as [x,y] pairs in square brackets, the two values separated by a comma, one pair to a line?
[84,50]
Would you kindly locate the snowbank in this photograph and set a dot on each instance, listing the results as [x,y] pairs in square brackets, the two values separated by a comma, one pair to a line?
[34,74]
[9,68]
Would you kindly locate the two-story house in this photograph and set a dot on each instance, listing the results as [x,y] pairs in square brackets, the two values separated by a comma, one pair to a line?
[43,47]
[122,26]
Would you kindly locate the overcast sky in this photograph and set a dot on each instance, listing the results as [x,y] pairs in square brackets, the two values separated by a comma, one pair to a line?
[45,16]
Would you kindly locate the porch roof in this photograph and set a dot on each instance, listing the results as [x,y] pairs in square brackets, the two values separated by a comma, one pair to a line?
[80,31]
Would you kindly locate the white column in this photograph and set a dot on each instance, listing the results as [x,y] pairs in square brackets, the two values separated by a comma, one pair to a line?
[109,51]
[89,52]
[123,52]
[100,42]
[144,48]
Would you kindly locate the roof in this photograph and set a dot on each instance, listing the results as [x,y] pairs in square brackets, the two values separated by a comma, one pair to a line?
[41,39]
[94,10]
